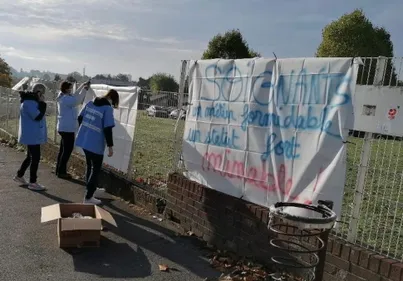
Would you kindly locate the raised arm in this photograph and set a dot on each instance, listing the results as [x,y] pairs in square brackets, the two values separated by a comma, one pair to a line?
[77,98]
[81,92]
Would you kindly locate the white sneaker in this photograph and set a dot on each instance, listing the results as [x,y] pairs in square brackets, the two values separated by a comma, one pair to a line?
[92,200]
[36,187]
[21,180]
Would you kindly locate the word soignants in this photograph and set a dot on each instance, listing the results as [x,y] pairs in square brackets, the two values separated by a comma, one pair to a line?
[296,87]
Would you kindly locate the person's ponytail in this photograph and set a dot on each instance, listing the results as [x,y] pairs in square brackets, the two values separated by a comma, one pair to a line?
[113,96]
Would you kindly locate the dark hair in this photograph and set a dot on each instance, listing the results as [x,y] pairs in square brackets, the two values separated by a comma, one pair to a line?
[114,97]
[39,89]
[65,86]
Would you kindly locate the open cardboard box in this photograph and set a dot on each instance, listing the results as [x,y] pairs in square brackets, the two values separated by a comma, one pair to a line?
[77,232]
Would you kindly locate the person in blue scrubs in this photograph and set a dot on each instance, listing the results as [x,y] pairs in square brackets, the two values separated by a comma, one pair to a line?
[67,124]
[32,133]
[96,122]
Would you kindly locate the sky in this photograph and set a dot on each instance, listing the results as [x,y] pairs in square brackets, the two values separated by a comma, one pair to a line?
[142,37]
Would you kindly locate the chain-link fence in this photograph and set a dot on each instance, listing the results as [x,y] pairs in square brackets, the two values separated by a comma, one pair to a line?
[372,212]
[160,118]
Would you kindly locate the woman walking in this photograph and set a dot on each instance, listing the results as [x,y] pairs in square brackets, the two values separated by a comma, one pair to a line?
[96,122]
[32,133]
[67,123]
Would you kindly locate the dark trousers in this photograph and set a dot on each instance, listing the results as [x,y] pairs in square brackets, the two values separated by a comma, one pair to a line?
[32,161]
[94,165]
[66,148]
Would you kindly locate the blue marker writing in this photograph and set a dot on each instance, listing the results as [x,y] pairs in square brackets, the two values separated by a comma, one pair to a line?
[286,148]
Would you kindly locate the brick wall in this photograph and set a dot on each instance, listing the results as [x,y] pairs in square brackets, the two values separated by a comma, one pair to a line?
[239,226]
[218,218]
[231,223]
[113,182]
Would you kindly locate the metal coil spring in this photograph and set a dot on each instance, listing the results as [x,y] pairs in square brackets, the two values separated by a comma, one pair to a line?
[296,250]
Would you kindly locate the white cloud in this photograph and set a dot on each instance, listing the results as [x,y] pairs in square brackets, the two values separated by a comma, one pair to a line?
[170,41]
[13,52]
[43,32]
[56,20]
[188,52]
[51,20]
[108,36]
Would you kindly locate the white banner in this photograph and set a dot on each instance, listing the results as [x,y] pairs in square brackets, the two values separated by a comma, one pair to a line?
[125,119]
[268,130]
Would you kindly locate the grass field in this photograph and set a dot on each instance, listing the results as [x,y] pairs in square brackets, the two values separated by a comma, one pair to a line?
[153,144]
[381,213]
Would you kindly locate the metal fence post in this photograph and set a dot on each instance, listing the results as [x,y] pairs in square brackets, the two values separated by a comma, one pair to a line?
[56,113]
[380,70]
[177,144]
[182,82]
[17,114]
[130,169]
[7,108]
[320,268]
[359,191]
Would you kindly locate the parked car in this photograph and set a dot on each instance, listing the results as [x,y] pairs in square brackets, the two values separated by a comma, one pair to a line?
[174,114]
[157,111]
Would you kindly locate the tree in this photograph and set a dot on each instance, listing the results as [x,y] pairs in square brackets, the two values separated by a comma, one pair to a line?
[231,45]
[122,77]
[46,77]
[71,79]
[5,74]
[163,82]
[144,83]
[353,35]
[99,76]
[57,77]
[76,76]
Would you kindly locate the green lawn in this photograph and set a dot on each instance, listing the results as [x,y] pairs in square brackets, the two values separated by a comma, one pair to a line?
[153,144]
[381,213]
[154,141]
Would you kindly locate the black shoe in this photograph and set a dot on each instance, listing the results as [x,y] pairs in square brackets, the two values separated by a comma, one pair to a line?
[64,176]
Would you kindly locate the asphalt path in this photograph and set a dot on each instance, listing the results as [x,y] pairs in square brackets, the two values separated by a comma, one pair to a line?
[133,251]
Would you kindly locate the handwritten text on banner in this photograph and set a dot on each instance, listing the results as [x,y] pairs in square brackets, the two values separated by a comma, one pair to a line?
[270,130]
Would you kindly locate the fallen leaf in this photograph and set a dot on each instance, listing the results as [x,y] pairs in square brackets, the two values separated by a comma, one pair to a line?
[164,267]
[223,259]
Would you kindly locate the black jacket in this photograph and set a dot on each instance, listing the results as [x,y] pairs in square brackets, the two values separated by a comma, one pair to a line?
[41,104]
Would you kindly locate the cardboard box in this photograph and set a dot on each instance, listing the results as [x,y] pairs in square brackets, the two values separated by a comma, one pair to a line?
[77,232]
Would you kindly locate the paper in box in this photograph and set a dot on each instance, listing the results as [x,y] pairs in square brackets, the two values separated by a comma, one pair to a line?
[77,232]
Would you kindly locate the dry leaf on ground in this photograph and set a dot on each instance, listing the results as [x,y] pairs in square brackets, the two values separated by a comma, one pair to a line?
[164,267]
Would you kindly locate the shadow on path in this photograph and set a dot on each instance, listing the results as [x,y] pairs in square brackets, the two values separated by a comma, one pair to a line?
[146,235]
